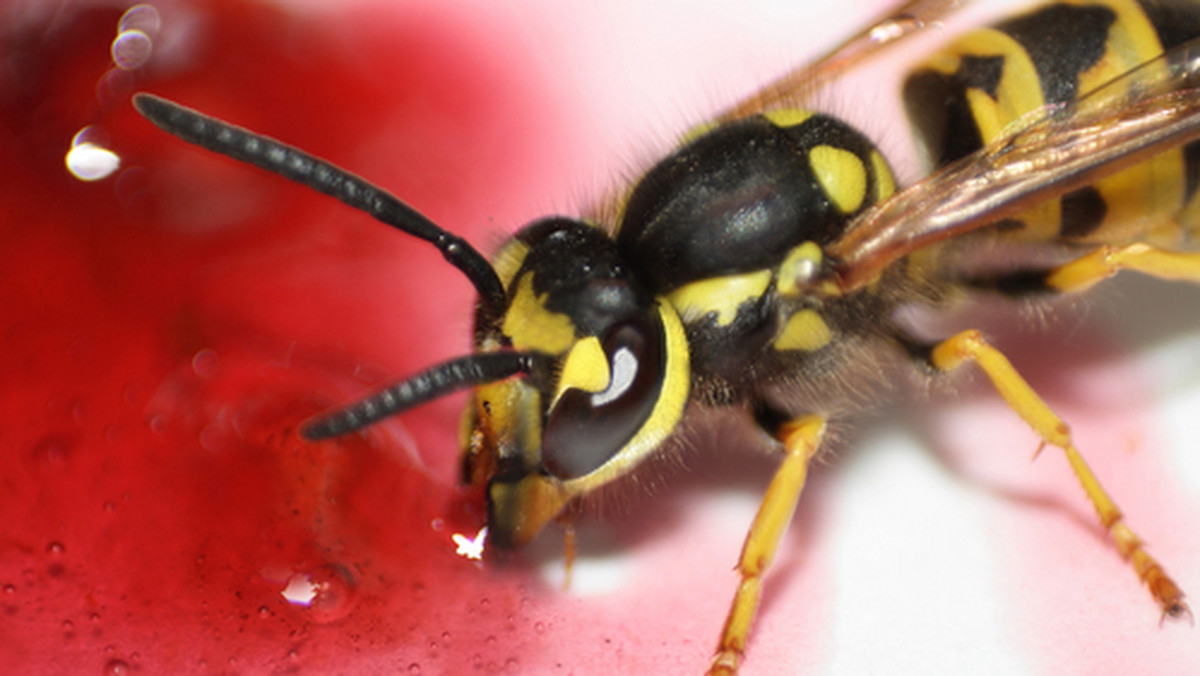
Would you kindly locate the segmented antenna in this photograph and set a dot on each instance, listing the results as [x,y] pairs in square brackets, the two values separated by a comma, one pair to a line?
[440,380]
[301,167]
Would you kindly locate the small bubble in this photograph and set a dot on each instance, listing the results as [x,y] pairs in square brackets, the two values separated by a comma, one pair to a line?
[204,363]
[414,668]
[490,640]
[116,668]
[94,617]
[445,636]
[539,627]
[68,625]
[10,589]
[115,87]
[110,649]
[212,438]
[437,524]
[264,611]
[55,549]
[135,657]
[52,451]
[477,661]
[485,602]
[77,409]
[108,506]
[511,664]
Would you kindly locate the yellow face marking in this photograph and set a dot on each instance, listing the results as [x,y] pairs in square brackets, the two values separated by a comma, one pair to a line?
[787,117]
[800,265]
[508,413]
[804,331]
[585,368]
[841,174]
[885,182]
[677,380]
[531,326]
[721,295]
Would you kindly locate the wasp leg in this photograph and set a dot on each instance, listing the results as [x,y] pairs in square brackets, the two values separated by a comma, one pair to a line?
[801,438]
[970,346]
[1107,260]
[1097,266]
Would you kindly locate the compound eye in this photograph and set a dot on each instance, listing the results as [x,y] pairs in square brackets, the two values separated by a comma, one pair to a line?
[587,429]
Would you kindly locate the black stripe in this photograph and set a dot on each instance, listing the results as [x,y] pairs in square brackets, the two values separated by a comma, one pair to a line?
[1062,41]
[1177,22]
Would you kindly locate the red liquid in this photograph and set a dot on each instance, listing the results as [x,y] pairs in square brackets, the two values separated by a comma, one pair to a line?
[165,329]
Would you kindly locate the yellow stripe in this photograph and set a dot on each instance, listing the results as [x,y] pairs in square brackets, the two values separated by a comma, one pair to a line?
[842,176]
[805,331]
[1153,190]
[787,117]
[720,295]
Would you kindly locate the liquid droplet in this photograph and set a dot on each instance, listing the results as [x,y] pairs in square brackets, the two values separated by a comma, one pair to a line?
[116,668]
[131,49]
[88,162]
[328,592]
[204,363]
[142,18]
[52,451]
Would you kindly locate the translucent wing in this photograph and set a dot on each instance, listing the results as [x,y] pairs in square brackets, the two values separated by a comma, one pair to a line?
[795,87]
[1050,152]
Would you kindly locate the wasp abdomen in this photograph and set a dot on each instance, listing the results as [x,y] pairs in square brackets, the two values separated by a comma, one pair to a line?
[969,94]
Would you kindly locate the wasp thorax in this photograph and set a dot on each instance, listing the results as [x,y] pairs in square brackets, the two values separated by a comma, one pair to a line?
[742,196]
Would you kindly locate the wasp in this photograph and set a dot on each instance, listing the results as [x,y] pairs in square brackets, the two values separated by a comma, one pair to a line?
[760,269]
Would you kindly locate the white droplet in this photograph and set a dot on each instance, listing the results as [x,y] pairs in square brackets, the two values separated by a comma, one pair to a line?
[89,162]
[300,590]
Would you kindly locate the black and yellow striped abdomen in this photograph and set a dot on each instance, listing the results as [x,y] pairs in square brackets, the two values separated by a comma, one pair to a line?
[969,93]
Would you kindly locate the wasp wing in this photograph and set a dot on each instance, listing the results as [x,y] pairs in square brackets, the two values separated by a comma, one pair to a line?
[1046,154]
[795,87]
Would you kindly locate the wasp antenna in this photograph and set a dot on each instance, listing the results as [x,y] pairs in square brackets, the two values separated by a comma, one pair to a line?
[440,380]
[267,153]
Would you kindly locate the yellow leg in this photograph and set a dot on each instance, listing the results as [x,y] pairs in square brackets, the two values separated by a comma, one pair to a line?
[970,346]
[800,438]
[1107,261]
